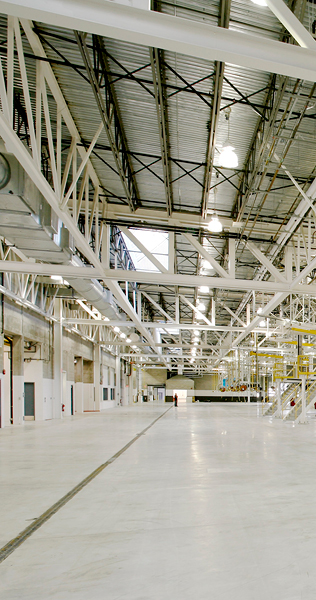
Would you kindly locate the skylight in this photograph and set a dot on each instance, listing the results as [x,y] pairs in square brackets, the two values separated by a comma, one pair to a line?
[156,242]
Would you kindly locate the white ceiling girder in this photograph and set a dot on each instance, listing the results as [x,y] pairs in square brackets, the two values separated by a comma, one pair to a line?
[292,24]
[269,287]
[159,30]
[157,306]
[127,307]
[158,325]
[206,255]
[265,262]
[270,306]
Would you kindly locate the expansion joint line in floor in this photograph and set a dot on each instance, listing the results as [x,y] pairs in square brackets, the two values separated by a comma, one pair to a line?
[13,544]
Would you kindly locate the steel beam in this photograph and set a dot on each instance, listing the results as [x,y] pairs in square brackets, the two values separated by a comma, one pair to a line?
[109,112]
[223,21]
[292,24]
[149,278]
[158,325]
[162,115]
[201,250]
[265,262]
[164,31]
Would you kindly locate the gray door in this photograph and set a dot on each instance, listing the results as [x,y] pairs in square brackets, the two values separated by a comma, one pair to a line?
[29,408]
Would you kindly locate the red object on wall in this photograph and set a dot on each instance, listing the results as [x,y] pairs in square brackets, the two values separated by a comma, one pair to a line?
[63,407]
[292,403]
[3,371]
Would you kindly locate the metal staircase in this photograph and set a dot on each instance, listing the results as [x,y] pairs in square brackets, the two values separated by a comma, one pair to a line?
[295,412]
[286,397]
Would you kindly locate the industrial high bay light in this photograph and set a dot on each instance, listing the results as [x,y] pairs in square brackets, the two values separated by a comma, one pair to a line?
[228,158]
[215,225]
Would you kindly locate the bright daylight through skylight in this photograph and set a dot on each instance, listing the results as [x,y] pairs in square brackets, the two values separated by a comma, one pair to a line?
[156,242]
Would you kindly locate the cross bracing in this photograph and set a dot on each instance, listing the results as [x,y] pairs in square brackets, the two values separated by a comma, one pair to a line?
[148,164]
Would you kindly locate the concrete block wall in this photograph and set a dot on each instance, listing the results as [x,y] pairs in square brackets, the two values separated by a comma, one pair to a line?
[154,377]
[180,382]
[207,382]
[158,377]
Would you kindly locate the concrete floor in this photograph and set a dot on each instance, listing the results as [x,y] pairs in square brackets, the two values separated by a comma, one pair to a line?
[211,503]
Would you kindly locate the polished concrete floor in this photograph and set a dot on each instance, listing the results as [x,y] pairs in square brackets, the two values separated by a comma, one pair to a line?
[212,503]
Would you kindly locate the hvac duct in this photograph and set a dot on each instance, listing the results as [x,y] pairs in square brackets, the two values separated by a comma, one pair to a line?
[28,222]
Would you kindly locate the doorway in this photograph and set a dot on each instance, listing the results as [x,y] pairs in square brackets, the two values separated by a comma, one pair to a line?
[29,401]
[159,394]
[182,395]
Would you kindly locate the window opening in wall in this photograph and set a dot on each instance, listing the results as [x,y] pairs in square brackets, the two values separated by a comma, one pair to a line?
[105,394]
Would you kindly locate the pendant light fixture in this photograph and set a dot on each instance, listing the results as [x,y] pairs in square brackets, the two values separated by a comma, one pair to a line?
[228,158]
[215,225]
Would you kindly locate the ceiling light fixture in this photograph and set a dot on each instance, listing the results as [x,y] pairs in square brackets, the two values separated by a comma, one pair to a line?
[260,2]
[215,225]
[116,329]
[228,158]
[201,306]
[204,289]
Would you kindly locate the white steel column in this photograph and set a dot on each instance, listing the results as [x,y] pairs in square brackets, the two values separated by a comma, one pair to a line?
[231,257]
[96,369]
[58,360]
[18,378]
[213,311]
[139,379]
[118,380]
[171,252]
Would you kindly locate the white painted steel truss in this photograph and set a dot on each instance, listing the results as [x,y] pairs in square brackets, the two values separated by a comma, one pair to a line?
[72,188]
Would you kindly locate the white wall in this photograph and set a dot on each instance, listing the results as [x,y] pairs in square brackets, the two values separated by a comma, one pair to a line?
[48,393]
[78,397]
[88,397]
[179,382]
